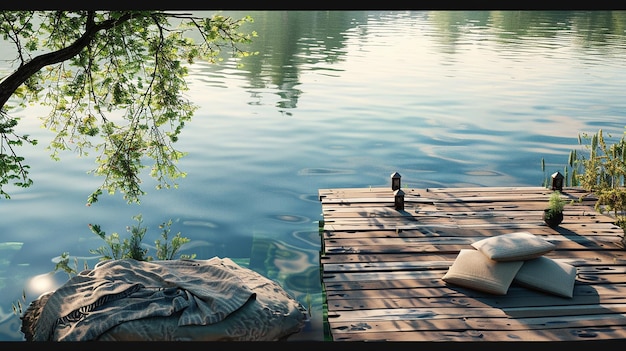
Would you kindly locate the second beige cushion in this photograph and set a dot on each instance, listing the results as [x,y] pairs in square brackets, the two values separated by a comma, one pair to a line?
[514,246]
[547,275]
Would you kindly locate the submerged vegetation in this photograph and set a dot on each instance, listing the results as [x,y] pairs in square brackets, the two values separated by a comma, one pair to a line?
[117,248]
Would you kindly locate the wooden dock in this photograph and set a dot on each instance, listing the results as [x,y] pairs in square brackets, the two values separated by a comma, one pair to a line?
[382,267]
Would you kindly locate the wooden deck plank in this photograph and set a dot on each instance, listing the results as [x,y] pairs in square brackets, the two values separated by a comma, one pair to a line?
[509,226]
[583,293]
[576,258]
[382,268]
[445,231]
[340,304]
[470,323]
[582,266]
[561,242]
[471,335]
[433,277]
[507,313]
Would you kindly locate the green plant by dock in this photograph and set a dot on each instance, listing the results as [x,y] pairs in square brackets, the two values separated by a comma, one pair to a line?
[601,172]
[555,204]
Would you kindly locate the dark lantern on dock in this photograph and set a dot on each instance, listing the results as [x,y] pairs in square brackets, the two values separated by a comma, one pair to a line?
[557,181]
[398,199]
[395,181]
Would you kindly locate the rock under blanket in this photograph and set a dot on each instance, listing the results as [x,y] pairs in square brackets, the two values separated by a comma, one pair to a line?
[168,300]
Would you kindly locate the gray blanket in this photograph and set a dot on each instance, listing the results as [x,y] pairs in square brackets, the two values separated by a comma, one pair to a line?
[197,292]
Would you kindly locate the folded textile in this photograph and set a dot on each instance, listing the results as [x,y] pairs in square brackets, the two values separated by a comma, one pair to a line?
[194,292]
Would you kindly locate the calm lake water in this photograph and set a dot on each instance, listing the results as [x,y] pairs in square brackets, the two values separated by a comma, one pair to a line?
[334,99]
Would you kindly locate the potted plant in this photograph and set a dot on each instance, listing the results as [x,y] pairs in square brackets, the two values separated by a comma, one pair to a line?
[553,215]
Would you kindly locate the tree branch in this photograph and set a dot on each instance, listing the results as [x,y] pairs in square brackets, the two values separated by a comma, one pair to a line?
[17,78]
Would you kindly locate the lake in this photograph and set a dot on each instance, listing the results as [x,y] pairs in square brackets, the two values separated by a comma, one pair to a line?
[334,99]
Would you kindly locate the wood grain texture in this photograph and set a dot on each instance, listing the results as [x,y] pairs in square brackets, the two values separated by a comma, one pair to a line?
[382,267]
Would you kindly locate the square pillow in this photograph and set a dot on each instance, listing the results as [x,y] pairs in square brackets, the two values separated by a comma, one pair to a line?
[472,269]
[516,246]
[547,275]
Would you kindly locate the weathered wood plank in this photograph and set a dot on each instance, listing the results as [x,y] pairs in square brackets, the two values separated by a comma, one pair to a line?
[337,248]
[503,225]
[482,336]
[340,304]
[534,210]
[593,266]
[561,242]
[576,258]
[398,314]
[476,232]
[464,218]
[357,289]
[433,277]
[470,323]
[590,293]
[395,314]
[382,268]
[412,279]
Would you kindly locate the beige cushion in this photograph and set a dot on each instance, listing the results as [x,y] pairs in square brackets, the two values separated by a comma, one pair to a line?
[472,269]
[547,275]
[516,246]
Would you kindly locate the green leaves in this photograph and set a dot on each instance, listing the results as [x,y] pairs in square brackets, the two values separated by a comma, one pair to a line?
[166,250]
[116,248]
[131,247]
[555,203]
[115,82]
[603,173]
[12,168]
